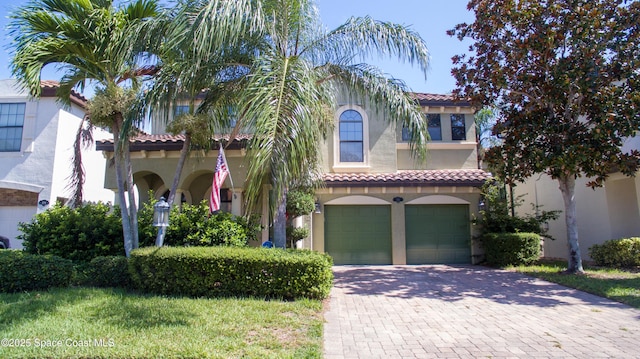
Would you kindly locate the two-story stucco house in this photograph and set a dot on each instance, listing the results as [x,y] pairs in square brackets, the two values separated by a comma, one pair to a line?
[36,144]
[378,205]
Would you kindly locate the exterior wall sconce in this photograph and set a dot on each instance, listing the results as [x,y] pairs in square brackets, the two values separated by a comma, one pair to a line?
[398,199]
[317,210]
[161,219]
[482,205]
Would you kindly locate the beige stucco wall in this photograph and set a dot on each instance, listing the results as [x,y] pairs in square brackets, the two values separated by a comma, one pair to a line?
[604,213]
[154,170]
[385,150]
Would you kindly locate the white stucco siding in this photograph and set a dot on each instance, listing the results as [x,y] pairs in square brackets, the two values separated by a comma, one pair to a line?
[34,164]
[95,169]
[92,160]
[66,128]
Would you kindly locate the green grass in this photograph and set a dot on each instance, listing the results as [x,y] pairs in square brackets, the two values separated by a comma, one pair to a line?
[141,326]
[615,284]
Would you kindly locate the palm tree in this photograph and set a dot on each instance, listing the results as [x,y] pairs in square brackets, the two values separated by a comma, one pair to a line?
[290,92]
[186,76]
[90,42]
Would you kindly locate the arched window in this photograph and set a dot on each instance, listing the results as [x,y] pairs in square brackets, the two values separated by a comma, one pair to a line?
[351,137]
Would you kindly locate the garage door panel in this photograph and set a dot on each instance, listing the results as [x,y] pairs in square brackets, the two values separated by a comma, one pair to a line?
[358,234]
[437,234]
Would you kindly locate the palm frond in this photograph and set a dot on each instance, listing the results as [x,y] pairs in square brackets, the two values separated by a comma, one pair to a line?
[83,140]
[289,115]
[362,38]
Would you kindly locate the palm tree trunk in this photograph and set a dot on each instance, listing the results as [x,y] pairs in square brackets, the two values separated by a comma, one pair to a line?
[124,211]
[133,209]
[181,161]
[280,223]
[567,187]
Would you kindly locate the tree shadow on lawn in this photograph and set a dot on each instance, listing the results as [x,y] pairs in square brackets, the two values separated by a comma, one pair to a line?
[455,283]
[623,290]
[112,306]
[19,307]
[133,310]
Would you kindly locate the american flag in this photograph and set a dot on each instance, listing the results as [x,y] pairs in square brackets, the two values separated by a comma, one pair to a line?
[219,176]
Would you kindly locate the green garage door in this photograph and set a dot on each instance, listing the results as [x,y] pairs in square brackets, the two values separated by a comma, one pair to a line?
[438,234]
[358,234]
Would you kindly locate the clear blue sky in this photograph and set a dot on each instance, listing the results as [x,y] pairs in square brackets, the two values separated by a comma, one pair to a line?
[430,18]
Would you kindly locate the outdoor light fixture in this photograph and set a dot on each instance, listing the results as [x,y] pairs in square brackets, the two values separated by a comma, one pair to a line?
[481,204]
[398,199]
[161,219]
[317,211]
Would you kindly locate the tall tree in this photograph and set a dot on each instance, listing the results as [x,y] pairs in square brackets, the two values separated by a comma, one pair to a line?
[90,42]
[201,84]
[565,76]
[290,92]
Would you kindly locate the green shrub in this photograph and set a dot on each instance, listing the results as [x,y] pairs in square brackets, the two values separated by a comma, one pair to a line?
[503,249]
[79,234]
[192,226]
[231,271]
[23,271]
[295,234]
[617,253]
[300,202]
[108,271]
[496,217]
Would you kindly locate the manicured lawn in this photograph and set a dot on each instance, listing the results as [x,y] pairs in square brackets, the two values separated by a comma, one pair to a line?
[619,285]
[111,323]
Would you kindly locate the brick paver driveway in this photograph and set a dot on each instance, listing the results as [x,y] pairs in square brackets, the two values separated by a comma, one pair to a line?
[470,312]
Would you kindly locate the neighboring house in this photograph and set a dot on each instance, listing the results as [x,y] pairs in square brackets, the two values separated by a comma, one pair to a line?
[36,146]
[378,205]
[604,213]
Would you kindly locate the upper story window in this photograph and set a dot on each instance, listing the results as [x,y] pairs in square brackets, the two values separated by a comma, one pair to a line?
[11,122]
[351,137]
[433,126]
[180,109]
[458,130]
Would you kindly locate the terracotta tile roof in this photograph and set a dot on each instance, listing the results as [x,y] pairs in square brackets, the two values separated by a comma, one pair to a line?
[147,142]
[430,99]
[49,88]
[459,177]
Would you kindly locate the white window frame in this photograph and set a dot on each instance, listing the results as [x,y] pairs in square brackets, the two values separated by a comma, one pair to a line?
[22,126]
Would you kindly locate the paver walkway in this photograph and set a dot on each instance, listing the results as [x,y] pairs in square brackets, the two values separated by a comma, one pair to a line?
[470,312]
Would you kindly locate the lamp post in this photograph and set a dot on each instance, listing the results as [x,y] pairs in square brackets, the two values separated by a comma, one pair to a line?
[161,219]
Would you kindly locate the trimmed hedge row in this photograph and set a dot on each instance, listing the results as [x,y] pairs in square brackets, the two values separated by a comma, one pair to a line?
[23,271]
[229,271]
[504,249]
[107,271]
[623,252]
